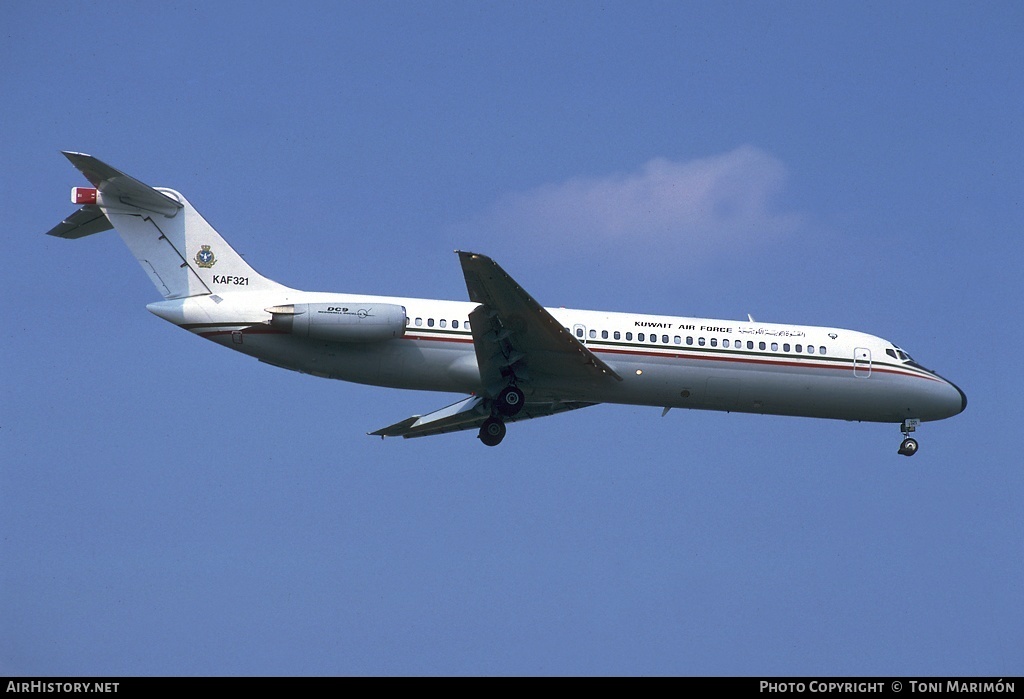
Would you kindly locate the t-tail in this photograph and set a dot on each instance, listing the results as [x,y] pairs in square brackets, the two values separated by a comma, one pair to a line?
[182,254]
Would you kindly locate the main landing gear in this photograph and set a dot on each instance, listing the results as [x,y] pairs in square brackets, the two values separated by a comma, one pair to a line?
[908,447]
[508,403]
[492,432]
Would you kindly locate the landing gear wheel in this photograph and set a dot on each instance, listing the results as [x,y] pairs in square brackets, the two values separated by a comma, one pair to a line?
[492,432]
[510,401]
[908,447]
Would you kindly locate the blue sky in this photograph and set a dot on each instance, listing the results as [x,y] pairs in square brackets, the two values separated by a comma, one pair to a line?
[168,507]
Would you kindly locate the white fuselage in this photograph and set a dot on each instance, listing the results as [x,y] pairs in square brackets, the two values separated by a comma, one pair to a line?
[665,361]
[518,361]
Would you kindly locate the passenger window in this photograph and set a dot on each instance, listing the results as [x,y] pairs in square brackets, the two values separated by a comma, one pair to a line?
[700,341]
[821,350]
[775,347]
[714,342]
[593,334]
[785,347]
[430,322]
[604,334]
[455,324]
[678,340]
[664,339]
[419,321]
[639,337]
[629,336]
[579,332]
[725,343]
[799,349]
[810,349]
[465,325]
[443,322]
[750,344]
[617,335]
[689,339]
[760,345]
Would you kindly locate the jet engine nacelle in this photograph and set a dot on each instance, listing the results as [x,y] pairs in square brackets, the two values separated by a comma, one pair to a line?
[341,322]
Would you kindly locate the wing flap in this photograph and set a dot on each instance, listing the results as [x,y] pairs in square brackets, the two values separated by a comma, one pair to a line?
[457,416]
[467,415]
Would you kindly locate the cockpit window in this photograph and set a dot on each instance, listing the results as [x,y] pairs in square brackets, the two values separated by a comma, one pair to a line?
[897,353]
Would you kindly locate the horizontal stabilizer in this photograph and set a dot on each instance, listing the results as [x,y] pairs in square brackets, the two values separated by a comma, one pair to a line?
[86,221]
[117,187]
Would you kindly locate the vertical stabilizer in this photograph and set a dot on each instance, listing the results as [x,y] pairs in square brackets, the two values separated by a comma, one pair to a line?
[182,253]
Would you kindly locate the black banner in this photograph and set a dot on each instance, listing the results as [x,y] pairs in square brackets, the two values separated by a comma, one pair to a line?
[891,686]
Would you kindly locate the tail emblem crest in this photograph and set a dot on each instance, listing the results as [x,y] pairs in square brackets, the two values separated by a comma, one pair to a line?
[205,257]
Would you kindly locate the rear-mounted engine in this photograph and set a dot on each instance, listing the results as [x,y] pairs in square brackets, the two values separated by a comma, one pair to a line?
[341,322]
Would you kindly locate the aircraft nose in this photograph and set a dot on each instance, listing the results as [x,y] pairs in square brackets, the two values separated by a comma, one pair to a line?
[963,398]
[954,400]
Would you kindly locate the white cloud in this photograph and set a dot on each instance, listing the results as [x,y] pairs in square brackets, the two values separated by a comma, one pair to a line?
[691,210]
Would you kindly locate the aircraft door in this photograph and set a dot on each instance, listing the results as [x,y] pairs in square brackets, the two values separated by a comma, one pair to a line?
[580,333]
[862,362]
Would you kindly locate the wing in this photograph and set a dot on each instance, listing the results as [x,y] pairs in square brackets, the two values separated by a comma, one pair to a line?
[517,339]
[468,414]
[516,342]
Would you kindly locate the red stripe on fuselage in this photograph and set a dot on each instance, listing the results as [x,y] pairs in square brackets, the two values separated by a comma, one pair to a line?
[460,340]
[808,363]
[846,365]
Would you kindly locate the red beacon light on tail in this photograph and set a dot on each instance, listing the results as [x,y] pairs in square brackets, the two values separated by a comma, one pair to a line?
[83,195]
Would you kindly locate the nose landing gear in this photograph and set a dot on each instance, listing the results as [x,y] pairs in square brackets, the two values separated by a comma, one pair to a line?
[908,447]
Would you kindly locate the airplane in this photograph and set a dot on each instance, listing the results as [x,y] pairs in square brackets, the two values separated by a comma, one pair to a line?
[511,358]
